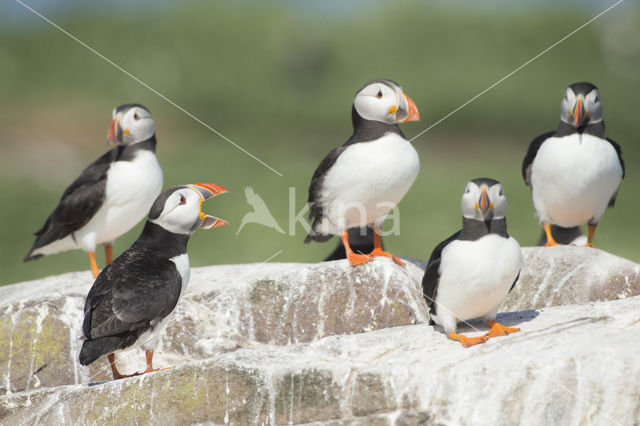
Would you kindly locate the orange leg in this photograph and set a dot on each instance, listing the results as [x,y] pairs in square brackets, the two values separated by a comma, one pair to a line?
[149,356]
[94,265]
[377,249]
[467,341]
[353,258]
[117,375]
[108,251]
[498,329]
[114,370]
[550,241]
[592,230]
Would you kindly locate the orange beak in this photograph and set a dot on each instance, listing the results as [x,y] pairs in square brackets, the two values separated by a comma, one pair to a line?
[577,114]
[208,190]
[484,203]
[412,110]
[112,136]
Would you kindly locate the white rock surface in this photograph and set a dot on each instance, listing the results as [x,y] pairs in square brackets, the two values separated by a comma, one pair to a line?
[569,365]
[224,307]
[561,275]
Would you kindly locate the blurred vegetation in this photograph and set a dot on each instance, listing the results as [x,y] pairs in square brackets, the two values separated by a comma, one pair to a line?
[279,80]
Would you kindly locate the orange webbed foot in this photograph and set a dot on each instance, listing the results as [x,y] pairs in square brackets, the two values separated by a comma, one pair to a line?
[551,244]
[467,341]
[382,253]
[357,259]
[498,329]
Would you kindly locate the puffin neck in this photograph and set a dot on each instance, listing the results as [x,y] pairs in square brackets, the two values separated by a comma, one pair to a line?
[595,129]
[128,152]
[473,229]
[159,240]
[369,130]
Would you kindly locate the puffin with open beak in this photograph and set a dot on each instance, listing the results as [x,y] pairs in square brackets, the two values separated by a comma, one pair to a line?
[574,172]
[111,195]
[359,182]
[470,273]
[133,298]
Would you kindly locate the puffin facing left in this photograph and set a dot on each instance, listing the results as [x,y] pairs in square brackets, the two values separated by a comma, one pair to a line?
[133,298]
[111,195]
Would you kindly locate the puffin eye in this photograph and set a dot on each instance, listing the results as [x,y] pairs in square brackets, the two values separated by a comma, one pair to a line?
[379,95]
[136,116]
[183,200]
[596,100]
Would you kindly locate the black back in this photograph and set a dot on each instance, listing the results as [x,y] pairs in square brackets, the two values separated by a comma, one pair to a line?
[140,286]
[84,197]
[363,131]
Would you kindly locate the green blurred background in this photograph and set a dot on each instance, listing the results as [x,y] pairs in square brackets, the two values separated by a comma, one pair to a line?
[279,79]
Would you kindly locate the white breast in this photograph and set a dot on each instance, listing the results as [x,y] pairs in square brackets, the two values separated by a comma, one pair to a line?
[132,187]
[573,178]
[147,340]
[475,276]
[367,180]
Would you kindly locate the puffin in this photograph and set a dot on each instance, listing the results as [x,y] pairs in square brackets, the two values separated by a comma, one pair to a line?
[359,182]
[133,298]
[110,196]
[574,172]
[470,273]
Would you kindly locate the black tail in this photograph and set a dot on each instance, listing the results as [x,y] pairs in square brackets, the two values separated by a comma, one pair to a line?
[94,349]
[360,240]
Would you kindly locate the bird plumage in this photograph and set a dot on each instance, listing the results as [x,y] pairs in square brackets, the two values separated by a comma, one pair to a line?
[469,274]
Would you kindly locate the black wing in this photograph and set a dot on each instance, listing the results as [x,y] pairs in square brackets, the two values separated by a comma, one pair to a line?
[612,201]
[515,281]
[431,277]
[534,146]
[79,202]
[131,293]
[315,207]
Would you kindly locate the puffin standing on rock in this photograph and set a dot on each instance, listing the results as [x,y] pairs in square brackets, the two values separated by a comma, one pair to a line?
[110,196]
[575,172]
[132,300]
[358,183]
[471,272]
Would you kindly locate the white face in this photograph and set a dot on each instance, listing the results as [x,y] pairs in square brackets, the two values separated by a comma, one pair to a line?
[378,102]
[495,202]
[135,125]
[181,213]
[590,108]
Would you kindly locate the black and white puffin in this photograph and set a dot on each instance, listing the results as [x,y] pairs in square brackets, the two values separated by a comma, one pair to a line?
[575,172]
[471,272]
[133,298]
[111,195]
[358,183]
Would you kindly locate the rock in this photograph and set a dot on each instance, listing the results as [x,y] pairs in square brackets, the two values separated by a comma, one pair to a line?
[224,308]
[573,364]
[561,275]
